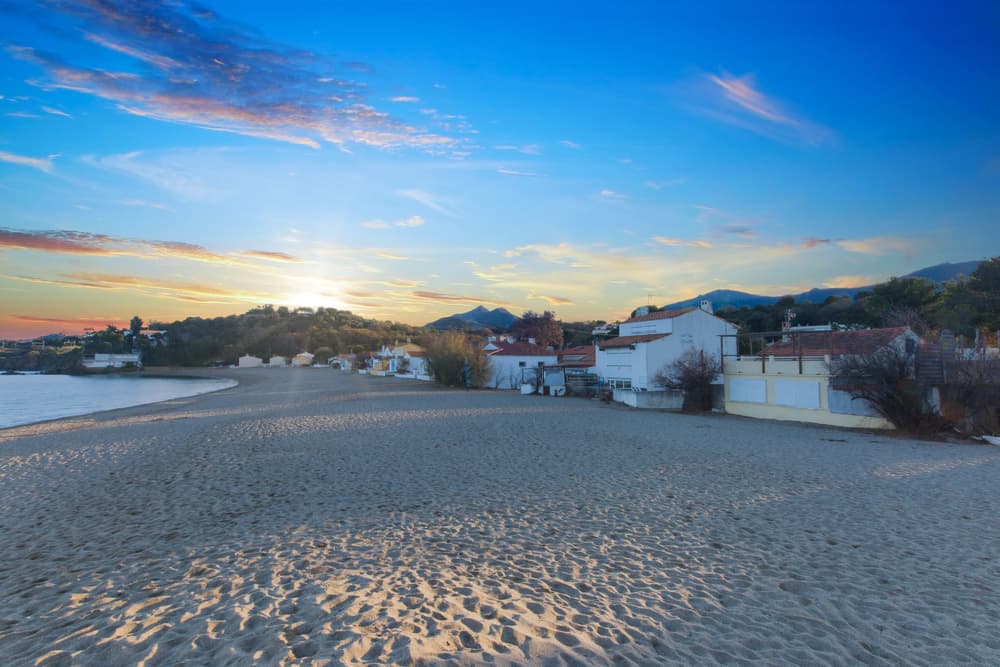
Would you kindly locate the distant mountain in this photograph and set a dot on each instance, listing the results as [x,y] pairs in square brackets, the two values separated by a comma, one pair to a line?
[479,317]
[940,273]
[721,298]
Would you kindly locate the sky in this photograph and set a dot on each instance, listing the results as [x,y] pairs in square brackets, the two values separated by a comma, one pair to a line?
[410,160]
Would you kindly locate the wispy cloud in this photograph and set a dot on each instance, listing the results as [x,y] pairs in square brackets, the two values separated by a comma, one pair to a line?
[56,112]
[851,281]
[737,229]
[675,243]
[554,300]
[86,243]
[412,221]
[445,297]
[272,256]
[176,290]
[878,245]
[812,242]
[406,99]
[529,149]
[669,183]
[186,64]
[166,171]
[515,172]
[146,204]
[427,199]
[738,101]
[611,194]
[570,144]
[40,163]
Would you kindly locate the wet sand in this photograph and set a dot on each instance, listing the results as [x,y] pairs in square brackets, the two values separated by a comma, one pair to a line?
[313,517]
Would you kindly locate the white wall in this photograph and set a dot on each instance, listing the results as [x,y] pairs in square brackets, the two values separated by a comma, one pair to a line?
[505,370]
[666,325]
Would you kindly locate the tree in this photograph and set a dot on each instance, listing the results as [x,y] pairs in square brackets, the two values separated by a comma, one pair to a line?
[136,326]
[454,361]
[886,379]
[985,285]
[544,328]
[899,298]
[693,373]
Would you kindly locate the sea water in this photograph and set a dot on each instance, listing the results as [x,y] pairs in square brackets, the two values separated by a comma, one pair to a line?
[25,399]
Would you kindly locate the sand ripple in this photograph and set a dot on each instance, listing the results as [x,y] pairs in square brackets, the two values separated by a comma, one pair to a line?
[340,519]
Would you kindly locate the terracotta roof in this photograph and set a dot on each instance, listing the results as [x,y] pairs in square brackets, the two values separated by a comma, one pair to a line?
[661,315]
[818,343]
[416,353]
[521,349]
[625,341]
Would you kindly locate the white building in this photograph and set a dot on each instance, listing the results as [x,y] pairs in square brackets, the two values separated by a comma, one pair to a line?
[277,362]
[249,361]
[650,342]
[511,361]
[303,359]
[101,361]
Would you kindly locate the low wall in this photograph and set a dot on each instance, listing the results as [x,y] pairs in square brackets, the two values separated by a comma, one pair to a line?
[650,400]
[803,398]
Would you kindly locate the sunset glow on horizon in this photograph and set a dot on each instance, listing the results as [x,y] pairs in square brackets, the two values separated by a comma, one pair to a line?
[407,162]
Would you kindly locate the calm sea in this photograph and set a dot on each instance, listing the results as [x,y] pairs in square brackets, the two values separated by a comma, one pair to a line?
[25,399]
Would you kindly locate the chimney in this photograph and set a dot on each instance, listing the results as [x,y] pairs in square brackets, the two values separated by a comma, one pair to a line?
[706,305]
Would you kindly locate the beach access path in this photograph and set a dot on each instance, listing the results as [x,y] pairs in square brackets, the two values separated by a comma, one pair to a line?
[309,516]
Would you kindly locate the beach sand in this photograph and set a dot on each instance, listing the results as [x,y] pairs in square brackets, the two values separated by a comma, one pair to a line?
[313,517]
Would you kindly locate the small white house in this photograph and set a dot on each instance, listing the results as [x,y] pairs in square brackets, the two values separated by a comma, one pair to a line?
[511,360]
[649,342]
[102,360]
[249,361]
[303,359]
[277,362]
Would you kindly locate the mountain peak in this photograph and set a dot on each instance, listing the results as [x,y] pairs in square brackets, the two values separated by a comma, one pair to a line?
[479,317]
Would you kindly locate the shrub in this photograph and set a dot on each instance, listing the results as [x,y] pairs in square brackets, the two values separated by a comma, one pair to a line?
[886,379]
[449,355]
[693,373]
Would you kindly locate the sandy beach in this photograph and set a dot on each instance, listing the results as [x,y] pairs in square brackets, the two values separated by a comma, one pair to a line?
[313,517]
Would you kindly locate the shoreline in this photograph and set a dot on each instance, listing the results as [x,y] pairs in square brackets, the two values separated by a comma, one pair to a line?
[338,519]
[136,376]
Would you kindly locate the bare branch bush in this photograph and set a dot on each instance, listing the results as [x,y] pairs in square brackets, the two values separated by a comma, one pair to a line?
[886,379]
[693,373]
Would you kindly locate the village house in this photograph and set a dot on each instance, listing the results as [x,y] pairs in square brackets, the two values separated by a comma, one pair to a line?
[277,362]
[303,359]
[649,342]
[790,378]
[249,361]
[106,361]
[513,362]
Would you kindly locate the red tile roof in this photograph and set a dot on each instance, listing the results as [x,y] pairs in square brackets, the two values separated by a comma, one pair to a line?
[818,343]
[520,349]
[625,341]
[662,315]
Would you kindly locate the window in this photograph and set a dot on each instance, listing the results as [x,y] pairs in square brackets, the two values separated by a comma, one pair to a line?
[521,364]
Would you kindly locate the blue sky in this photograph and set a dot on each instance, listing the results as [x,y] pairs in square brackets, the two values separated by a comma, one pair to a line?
[410,160]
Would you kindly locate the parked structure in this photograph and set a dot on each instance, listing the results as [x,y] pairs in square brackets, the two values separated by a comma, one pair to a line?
[103,361]
[249,361]
[277,362]
[303,359]
[790,378]
[649,342]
